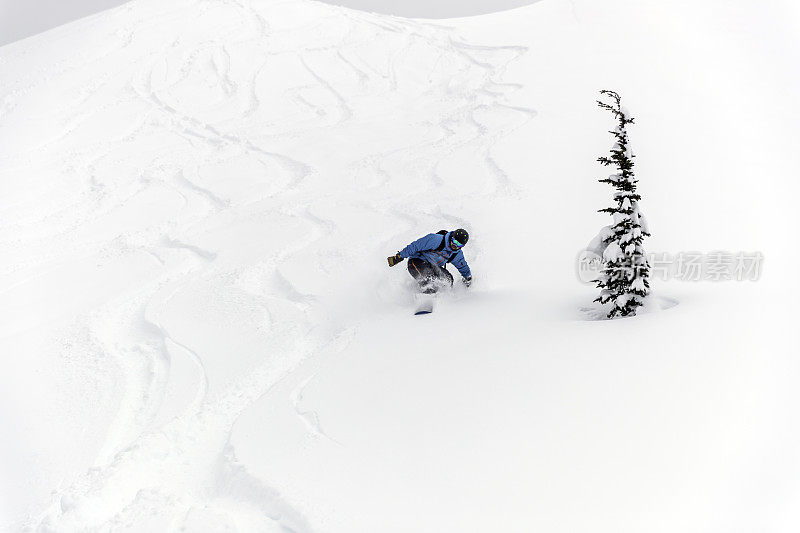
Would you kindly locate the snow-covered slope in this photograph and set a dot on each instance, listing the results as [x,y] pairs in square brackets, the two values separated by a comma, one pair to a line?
[199,329]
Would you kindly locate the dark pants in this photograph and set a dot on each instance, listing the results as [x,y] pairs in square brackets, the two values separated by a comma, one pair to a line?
[430,277]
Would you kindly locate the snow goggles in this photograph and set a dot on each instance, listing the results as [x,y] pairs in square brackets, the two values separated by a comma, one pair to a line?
[454,242]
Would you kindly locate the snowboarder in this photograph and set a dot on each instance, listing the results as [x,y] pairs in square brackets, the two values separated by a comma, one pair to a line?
[428,257]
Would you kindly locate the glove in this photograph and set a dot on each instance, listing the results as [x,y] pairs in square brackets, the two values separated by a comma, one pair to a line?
[467,280]
[395,259]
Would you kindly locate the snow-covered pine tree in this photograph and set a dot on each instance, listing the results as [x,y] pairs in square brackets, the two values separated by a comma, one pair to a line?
[623,279]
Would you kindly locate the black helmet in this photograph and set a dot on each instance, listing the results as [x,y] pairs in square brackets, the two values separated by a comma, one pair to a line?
[460,236]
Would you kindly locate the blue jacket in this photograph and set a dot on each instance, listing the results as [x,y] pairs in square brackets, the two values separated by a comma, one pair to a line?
[425,249]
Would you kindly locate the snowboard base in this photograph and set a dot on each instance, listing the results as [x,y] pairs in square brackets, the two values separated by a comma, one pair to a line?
[425,306]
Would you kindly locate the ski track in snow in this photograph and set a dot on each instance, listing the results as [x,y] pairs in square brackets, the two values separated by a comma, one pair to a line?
[165,470]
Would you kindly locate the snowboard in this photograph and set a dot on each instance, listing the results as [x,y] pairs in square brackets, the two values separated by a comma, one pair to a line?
[424,304]
[425,307]
[426,298]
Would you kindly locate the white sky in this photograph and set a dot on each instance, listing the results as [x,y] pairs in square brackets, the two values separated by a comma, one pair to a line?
[22,18]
